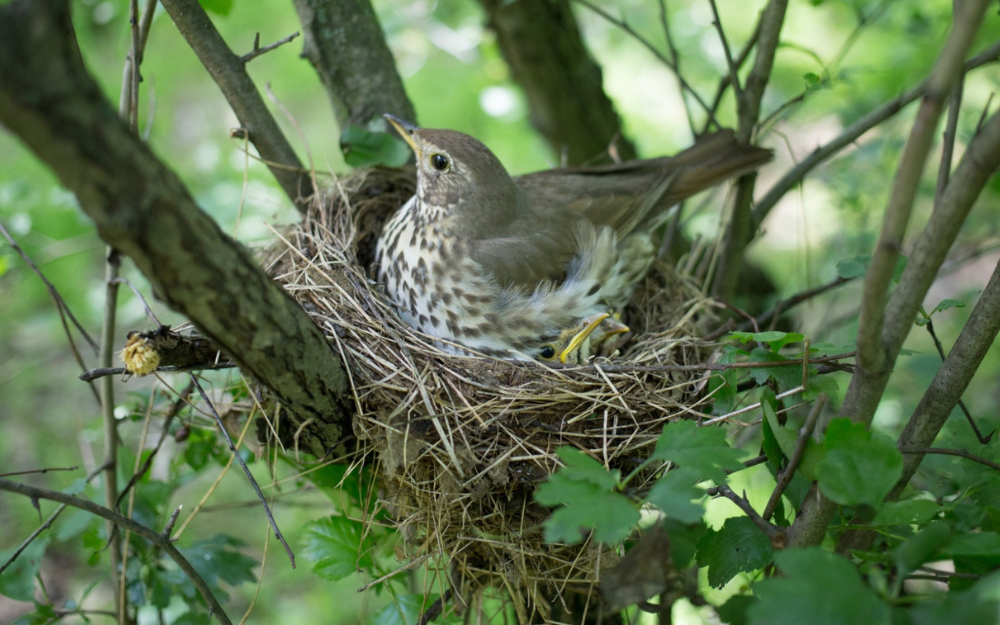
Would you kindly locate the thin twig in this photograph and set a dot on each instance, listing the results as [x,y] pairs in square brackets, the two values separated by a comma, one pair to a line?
[943,451]
[32,471]
[785,477]
[772,531]
[665,23]
[179,403]
[236,454]
[724,82]
[850,134]
[139,296]
[716,366]
[257,50]
[734,77]
[44,526]
[61,305]
[659,55]
[961,404]
[131,525]
[101,372]
[785,305]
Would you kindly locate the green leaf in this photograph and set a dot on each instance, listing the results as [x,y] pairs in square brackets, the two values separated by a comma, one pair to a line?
[219,7]
[333,546]
[858,466]
[704,449]
[911,511]
[18,580]
[819,588]
[738,547]
[786,377]
[364,148]
[978,604]
[722,386]
[774,338]
[812,80]
[216,559]
[947,304]
[405,610]
[788,439]
[674,494]
[734,611]
[920,548]
[853,267]
[589,499]
[683,540]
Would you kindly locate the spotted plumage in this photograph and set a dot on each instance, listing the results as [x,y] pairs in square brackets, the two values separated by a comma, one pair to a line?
[506,266]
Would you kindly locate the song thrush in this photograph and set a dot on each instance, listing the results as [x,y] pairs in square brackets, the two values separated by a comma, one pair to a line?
[530,267]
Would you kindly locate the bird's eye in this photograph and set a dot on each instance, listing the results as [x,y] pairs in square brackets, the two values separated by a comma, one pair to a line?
[548,352]
[439,162]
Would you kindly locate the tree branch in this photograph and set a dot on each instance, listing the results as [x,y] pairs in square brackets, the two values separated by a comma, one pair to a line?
[142,209]
[158,539]
[851,134]
[542,44]
[228,71]
[740,229]
[344,43]
[883,331]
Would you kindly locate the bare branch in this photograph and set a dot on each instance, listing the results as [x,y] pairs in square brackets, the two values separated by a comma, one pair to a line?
[126,523]
[961,453]
[785,477]
[257,50]
[239,458]
[229,73]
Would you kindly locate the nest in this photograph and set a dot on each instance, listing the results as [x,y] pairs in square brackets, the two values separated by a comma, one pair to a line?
[463,441]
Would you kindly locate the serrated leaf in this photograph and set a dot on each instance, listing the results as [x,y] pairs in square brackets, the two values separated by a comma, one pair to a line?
[589,499]
[404,610]
[737,547]
[364,148]
[774,338]
[819,588]
[674,494]
[786,377]
[333,546]
[704,449]
[858,466]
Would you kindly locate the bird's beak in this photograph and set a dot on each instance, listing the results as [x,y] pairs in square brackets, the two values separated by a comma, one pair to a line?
[591,324]
[405,130]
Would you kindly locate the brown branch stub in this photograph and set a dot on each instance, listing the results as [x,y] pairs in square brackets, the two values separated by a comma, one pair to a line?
[142,209]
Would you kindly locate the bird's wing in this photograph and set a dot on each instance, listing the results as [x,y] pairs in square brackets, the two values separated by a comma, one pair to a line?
[636,195]
[523,260]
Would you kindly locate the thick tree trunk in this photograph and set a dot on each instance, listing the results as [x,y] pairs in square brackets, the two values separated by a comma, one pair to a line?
[141,208]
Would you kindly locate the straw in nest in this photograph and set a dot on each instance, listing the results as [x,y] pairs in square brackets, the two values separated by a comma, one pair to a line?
[462,441]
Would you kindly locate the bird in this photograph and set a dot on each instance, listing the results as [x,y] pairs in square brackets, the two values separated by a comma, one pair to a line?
[533,267]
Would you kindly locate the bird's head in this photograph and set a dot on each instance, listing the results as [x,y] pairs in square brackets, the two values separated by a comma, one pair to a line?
[457,174]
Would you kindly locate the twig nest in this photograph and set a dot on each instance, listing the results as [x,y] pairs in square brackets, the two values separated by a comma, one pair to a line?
[463,441]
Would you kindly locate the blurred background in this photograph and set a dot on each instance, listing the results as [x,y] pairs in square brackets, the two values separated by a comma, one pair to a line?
[838,61]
